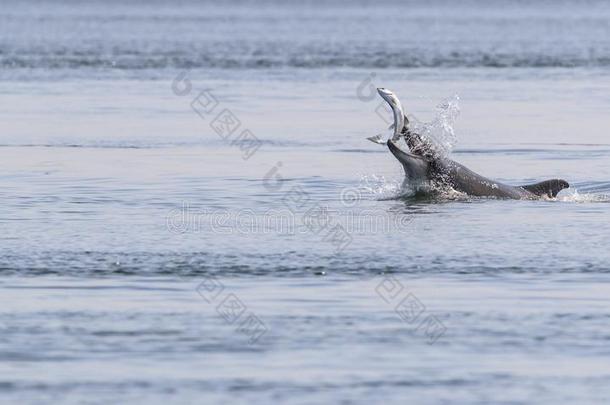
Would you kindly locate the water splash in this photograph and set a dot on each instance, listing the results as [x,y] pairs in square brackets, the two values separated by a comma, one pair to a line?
[440,130]
[380,188]
[575,197]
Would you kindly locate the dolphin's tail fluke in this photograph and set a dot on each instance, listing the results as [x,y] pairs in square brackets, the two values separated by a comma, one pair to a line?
[549,188]
[377,139]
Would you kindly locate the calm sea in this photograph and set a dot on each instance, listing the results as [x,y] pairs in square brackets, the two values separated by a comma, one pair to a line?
[191,212]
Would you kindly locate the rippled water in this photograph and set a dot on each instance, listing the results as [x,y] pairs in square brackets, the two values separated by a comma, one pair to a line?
[118,37]
[123,209]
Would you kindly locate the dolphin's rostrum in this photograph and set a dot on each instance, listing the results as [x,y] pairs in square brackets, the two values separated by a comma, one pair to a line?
[424,166]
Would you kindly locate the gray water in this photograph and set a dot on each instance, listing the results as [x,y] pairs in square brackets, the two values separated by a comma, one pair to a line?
[147,257]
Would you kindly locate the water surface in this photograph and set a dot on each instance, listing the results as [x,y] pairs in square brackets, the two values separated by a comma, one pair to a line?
[120,200]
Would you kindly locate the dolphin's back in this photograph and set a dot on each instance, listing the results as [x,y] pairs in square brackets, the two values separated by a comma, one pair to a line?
[446,172]
[465,180]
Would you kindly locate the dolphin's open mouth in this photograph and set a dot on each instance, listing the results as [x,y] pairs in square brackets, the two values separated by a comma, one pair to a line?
[397,152]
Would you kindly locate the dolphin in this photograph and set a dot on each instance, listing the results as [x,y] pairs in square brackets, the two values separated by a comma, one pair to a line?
[423,166]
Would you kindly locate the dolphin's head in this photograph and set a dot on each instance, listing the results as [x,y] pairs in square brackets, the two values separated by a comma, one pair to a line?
[416,167]
[402,157]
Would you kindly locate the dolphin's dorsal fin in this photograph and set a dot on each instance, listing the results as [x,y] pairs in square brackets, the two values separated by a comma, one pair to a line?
[549,188]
